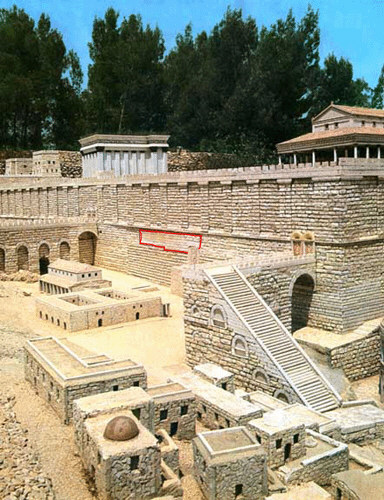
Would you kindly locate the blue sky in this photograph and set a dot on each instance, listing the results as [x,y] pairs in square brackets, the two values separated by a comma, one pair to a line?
[350,28]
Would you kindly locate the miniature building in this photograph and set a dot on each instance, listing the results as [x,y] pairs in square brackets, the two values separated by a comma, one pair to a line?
[360,421]
[60,376]
[230,464]
[46,163]
[281,435]
[118,155]
[311,419]
[65,276]
[95,308]
[174,409]
[357,485]
[266,401]
[134,399]
[216,407]
[122,456]
[338,131]
[18,166]
[216,375]
[324,457]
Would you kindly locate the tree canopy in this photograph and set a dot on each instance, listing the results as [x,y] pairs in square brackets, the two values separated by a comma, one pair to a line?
[238,88]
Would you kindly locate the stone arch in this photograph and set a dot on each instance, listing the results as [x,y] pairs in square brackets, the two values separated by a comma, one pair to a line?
[301,291]
[218,316]
[282,396]
[44,252]
[261,376]
[64,250]
[2,259]
[240,346]
[22,258]
[87,247]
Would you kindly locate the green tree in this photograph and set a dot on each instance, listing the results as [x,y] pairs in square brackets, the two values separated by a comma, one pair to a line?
[36,96]
[378,92]
[125,88]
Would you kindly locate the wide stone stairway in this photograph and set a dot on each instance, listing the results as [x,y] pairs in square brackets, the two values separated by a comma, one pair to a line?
[293,363]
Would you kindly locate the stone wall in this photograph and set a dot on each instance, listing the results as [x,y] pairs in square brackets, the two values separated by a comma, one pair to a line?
[242,212]
[206,342]
[360,358]
[219,481]
[319,468]
[169,413]
[4,155]
[70,163]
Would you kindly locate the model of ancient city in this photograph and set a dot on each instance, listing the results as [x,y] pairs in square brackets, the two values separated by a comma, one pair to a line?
[190,333]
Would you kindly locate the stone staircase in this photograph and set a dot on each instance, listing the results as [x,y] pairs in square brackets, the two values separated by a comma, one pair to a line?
[300,372]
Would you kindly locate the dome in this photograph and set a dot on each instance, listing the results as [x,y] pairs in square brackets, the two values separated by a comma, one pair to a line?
[121,429]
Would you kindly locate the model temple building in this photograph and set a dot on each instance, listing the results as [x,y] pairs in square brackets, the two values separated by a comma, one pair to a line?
[338,132]
[117,155]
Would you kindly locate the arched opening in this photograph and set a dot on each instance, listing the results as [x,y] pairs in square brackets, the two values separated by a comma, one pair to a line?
[43,258]
[137,315]
[22,258]
[260,377]
[239,347]
[87,248]
[301,299]
[2,259]
[218,316]
[279,394]
[64,250]
[100,322]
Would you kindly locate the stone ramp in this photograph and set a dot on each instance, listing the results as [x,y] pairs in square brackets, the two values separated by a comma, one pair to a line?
[300,372]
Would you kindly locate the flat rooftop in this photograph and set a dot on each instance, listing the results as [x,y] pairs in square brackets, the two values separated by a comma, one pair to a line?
[298,414]
[227,444]
[218,397]
[355,418]
[212,371]
[70,369]
[172,390]
[266,401]
[366,486]
[108,401]
[277,421]
[72,266]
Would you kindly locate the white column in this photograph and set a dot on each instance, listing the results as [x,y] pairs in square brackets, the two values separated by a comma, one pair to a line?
[313,158]
[346,153]
[126,163]
[279,159]
[335,155]
[355,152]
[378,151]
[367,152]
[294,159]
[116,164]
[108,161]
[100,167]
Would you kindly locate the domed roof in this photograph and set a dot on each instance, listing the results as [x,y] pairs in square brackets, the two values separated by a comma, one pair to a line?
[121,429]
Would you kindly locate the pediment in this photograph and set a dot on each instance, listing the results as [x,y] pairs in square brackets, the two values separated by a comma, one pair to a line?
[330,113]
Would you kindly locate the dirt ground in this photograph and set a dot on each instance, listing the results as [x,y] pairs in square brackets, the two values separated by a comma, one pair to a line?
[52,441]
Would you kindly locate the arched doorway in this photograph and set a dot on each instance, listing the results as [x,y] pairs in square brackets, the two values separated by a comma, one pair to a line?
[22,258]
[64,250]
[87,247]
[2,259]
[301,299]
[43,258]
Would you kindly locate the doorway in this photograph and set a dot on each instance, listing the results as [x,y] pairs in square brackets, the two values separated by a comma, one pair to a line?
[287,451]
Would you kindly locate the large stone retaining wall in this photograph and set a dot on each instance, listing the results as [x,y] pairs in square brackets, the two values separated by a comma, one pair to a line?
[238,212]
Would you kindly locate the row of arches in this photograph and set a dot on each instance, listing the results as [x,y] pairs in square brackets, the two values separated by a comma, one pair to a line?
[87,250]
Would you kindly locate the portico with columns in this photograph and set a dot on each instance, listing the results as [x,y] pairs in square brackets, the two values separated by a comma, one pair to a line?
[337,132]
